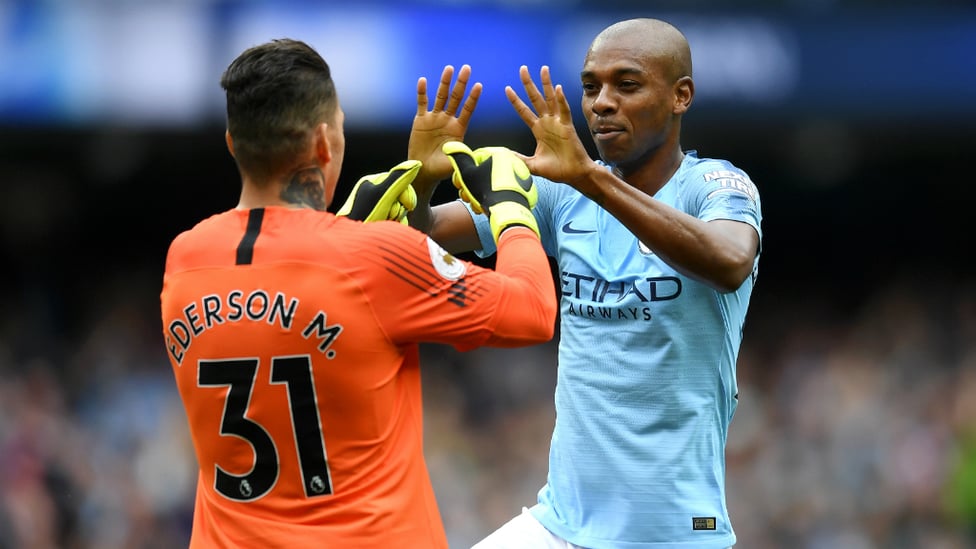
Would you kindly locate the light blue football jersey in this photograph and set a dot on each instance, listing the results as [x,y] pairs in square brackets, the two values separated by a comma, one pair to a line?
[646,385]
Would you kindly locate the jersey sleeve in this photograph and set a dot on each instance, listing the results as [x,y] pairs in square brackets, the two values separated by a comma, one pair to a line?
[422,293]
[483,226]
[722,191]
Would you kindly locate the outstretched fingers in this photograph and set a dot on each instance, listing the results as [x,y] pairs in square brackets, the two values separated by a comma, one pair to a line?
[457,92]
[450,99]
[536,98]
[469,104]
[550,101]
[421,95]
[521,108]
[444,88]
[549,94]
[562,105]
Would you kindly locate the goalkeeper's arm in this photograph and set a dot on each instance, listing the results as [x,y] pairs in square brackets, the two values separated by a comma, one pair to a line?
[382,196]
[495,182]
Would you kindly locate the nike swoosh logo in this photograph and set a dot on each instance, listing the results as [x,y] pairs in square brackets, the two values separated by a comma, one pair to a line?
[524,182]
[569,230]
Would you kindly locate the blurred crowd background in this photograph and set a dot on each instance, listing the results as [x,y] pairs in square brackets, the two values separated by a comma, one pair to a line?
[856,425]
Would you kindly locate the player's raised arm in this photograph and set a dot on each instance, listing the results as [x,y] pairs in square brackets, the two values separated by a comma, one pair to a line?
[434,125]
[494,181]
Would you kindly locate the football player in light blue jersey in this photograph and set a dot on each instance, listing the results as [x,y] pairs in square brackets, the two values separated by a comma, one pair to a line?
[657,253]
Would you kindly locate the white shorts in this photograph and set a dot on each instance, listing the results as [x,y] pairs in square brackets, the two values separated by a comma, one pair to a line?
[524,532]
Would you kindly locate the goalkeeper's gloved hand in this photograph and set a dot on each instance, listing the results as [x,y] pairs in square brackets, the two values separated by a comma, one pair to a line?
[383,196]
[495,182]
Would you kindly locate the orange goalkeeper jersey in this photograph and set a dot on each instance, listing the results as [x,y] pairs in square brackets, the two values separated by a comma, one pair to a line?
[293,336]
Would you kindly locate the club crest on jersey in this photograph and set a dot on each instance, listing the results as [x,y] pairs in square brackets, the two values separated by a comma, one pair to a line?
[644,249]
[446,264]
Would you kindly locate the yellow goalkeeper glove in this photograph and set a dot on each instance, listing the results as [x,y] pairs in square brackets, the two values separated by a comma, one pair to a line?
[496,182]
[383,196]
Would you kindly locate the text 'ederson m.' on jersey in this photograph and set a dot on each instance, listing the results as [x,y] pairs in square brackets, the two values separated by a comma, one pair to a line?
[646,384]
[293,336]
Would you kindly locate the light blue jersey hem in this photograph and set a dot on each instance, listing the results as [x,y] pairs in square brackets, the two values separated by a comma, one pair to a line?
[542,515]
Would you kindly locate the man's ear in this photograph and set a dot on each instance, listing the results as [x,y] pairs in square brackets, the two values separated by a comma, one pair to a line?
[684,93]
[230,142]
[322,149]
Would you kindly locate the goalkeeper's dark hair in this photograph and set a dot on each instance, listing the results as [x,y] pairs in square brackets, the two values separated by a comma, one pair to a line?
[277,92]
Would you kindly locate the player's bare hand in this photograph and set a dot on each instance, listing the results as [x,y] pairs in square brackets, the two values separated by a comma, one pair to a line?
[559,154]
[446,120]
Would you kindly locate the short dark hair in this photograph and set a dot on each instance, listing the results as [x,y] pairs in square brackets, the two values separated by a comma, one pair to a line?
[277,92]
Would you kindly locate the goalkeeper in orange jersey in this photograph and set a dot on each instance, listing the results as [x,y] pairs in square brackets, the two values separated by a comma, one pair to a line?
[293,333]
